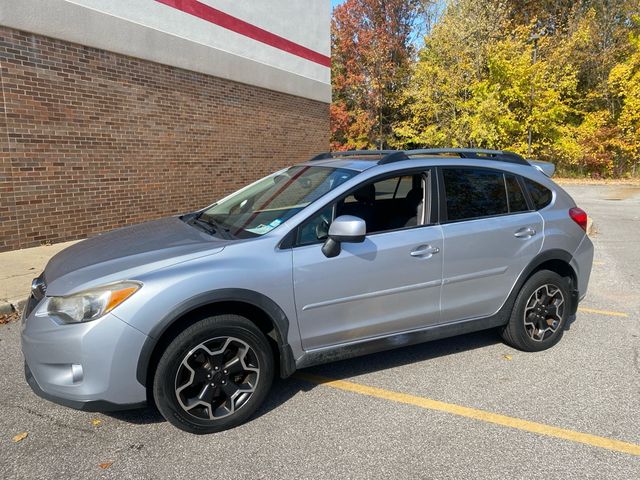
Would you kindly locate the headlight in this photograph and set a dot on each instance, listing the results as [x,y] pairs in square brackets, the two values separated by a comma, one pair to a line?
[89,305]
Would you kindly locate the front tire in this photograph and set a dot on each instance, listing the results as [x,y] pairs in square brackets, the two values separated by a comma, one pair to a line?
[539,313]
[214,375]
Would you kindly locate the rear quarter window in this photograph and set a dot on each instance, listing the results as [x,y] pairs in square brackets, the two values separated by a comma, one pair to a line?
[540,195]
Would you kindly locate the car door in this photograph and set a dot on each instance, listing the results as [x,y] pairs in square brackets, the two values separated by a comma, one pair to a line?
[490,235]
[389,283]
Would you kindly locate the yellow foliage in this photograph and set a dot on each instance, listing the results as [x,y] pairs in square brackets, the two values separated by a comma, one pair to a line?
[565,91]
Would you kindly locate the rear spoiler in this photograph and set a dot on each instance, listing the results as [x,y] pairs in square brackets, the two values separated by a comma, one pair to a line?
[547,168]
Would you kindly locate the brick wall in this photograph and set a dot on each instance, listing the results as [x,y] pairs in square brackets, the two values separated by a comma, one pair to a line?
[93,140]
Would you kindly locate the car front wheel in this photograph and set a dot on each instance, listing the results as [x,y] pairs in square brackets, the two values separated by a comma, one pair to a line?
[214,375]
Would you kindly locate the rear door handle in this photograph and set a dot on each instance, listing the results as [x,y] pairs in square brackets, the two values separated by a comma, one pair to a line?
[525,232]
[424,251]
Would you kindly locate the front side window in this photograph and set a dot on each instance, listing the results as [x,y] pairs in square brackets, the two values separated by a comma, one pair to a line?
[389,204]
[262,206]
[474,193]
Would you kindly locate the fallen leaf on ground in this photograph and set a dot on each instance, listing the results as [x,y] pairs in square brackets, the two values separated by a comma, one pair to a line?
[507,357]
[96,422]
[9,317]
[105,465]
[20,437]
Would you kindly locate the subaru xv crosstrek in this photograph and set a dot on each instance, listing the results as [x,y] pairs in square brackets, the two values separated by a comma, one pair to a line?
[346,254]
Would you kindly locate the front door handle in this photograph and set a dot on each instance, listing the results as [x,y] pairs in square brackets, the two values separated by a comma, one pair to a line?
[424,251]
[525,232]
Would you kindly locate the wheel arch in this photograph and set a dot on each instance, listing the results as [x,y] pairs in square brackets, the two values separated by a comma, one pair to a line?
[558,261]
[258,308]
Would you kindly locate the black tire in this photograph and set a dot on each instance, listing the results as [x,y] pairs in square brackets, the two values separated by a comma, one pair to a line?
[175,365]
[528,335]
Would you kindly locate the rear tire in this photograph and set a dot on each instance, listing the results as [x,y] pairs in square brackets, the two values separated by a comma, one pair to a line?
[539,313]
[214,375]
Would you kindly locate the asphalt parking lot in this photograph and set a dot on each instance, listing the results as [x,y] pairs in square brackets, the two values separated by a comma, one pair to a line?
[463,407]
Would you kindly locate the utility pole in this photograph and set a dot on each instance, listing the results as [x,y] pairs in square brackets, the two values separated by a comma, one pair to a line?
[534,38]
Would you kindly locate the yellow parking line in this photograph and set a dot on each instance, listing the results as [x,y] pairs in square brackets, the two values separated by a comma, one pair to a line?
[596,262]
[602,312]
[475,414]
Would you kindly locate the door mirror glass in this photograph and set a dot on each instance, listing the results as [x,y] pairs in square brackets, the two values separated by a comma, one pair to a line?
[347,229]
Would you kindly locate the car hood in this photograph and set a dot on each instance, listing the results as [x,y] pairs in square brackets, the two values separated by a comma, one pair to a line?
[127,252]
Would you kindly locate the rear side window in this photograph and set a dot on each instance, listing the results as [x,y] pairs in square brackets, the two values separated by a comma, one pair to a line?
[474,193]
[517,201]
[541,196]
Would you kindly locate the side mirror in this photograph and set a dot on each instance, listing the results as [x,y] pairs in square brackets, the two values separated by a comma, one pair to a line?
[347,229]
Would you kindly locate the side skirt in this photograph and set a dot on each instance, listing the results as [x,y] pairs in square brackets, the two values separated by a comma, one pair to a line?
[404,339]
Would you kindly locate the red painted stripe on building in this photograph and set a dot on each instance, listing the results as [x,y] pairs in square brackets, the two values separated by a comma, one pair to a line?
[224,20]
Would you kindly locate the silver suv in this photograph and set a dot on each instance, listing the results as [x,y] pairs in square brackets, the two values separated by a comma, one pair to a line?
[346,254]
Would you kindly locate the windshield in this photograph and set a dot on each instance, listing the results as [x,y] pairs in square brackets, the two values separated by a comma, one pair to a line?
[261,207]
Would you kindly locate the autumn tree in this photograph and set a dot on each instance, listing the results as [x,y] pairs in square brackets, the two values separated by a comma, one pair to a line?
[439,106]
[624,84]
[373,47]
[556,80]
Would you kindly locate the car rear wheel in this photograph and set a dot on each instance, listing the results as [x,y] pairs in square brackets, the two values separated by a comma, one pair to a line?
[539,313]
[214,375]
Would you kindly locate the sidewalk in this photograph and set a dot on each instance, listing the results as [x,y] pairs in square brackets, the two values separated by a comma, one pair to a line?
[18,268]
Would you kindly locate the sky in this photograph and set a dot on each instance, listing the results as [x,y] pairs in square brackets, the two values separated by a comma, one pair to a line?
[336,2]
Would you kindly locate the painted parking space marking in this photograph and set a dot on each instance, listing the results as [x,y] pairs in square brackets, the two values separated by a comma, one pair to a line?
[602,312]
[475,414]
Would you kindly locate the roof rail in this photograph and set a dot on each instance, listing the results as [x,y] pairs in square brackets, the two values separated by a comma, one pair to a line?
[477,153]
[390,156]
[351,153]
[322,156]
[396,156]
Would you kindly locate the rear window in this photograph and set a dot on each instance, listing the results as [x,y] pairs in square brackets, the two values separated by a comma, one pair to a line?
[474,193]
[541,196]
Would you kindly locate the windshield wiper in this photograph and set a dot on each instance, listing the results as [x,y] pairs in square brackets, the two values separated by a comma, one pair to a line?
[212,226]
[206,226]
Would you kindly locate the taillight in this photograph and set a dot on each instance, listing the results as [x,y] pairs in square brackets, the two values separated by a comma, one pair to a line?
[579,216]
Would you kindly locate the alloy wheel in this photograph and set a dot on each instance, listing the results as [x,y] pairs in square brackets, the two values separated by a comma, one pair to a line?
[544,311]
[216,378]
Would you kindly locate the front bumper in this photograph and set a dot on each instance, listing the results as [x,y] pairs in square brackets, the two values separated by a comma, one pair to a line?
[87,406]
[87,366]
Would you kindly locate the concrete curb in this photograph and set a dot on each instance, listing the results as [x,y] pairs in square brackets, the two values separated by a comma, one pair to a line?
[7,307]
